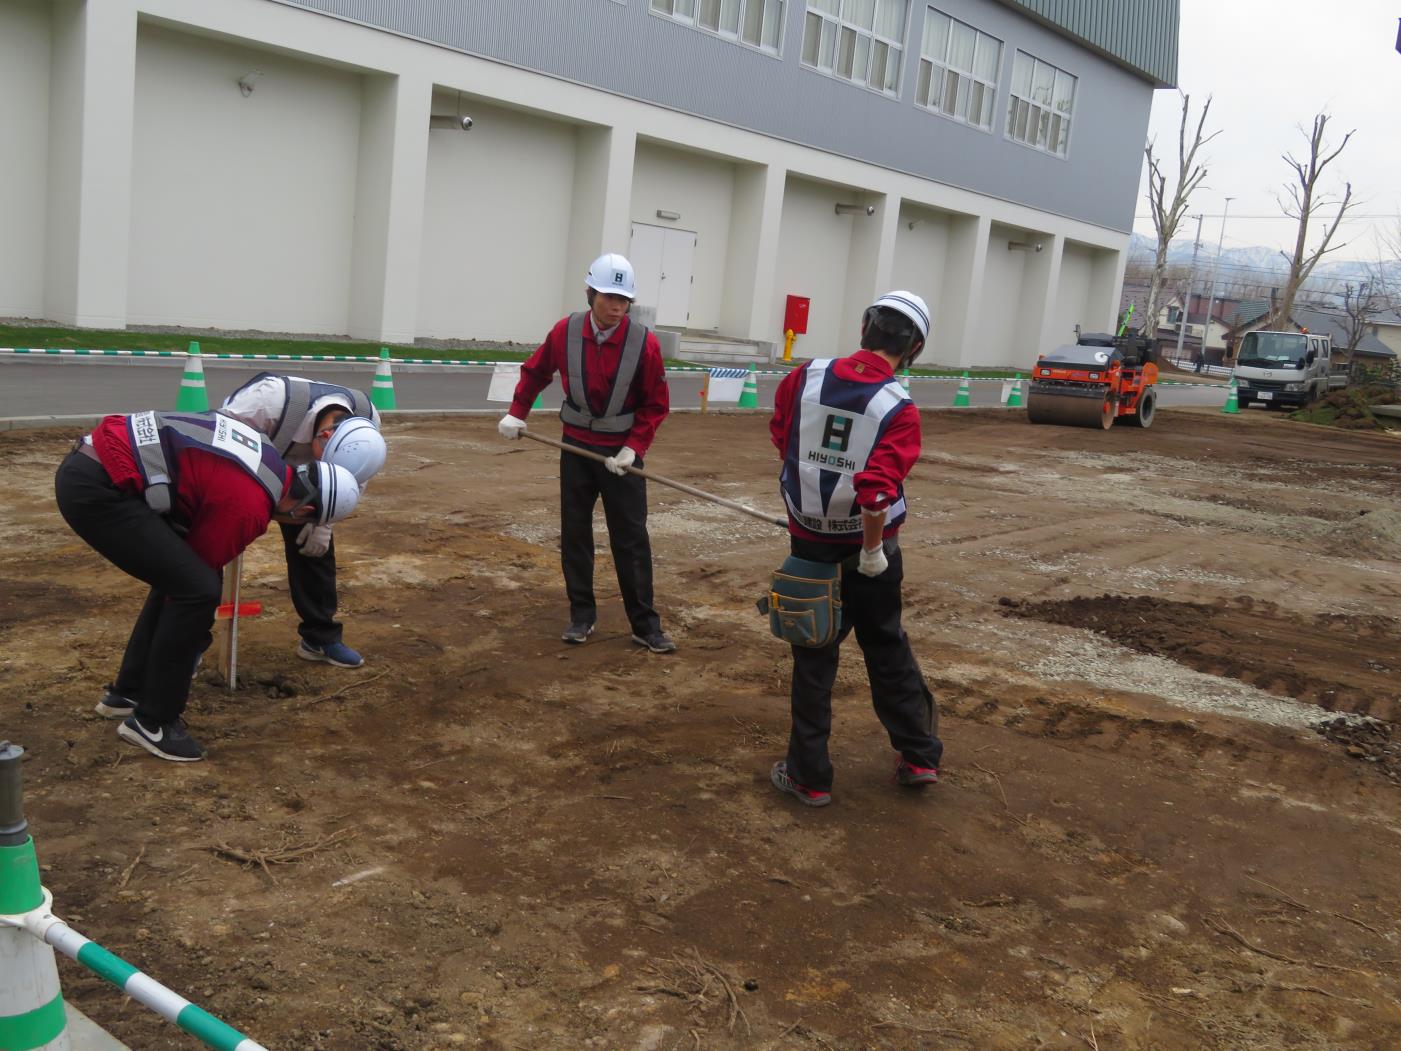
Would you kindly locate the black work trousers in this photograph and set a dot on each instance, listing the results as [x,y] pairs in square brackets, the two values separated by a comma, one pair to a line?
[903,703]
[173,628]
[581,482]
[312,582]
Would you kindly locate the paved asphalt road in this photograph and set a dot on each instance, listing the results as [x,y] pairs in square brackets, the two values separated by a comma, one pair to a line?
[86,386]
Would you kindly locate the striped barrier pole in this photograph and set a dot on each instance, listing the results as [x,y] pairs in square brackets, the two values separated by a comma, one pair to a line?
[33,1017]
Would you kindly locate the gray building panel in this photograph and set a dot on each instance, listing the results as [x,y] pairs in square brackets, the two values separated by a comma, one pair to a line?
[628,50]
[1140,34]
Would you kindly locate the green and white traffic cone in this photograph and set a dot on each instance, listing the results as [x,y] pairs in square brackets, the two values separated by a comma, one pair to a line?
[193,397]
[1014,399]
[1232,398]
[749,394]
[32,1017]
[961,399]
[382,390]
[905,379]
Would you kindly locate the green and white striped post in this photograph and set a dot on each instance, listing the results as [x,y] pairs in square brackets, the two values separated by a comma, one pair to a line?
[32,1016]
[193,396]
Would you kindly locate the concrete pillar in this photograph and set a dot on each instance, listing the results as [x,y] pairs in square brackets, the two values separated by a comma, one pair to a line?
[599,218]
[1040,287]
[1106,283]
[748,305]
[870,261]
[92,84]
[389,194]
[955,338]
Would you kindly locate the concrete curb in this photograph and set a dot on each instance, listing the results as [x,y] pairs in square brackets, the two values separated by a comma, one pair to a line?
[87,1035]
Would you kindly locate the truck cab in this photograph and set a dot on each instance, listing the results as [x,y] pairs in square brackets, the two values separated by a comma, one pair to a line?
[1282,368]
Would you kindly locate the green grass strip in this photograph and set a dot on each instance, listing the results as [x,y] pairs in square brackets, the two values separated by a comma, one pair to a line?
[200,1023]
[35,1028]
[105,964]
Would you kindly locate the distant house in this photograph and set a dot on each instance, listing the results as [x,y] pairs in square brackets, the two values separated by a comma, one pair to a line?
[1193,327]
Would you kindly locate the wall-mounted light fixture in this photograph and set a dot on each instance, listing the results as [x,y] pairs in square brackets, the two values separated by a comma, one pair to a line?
[913,223]
[246,82]
[455,123]
[855,209]
[662,213]
[1024,246]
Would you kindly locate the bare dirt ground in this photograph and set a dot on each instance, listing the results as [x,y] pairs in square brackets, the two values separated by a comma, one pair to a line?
[1143,837]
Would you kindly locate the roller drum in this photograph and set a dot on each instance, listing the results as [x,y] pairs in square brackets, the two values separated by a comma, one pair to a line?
[1070,410]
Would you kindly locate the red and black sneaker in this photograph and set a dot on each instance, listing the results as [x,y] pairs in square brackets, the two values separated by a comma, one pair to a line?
[906,773]
[805,795]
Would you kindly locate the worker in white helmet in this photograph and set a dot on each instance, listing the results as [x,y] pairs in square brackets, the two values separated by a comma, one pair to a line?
[308,420]
[615,397]
[848,434]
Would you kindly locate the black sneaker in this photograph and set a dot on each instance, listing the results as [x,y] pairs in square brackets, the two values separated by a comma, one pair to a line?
[170,741]
[114,706]
[577,634]
[657,642]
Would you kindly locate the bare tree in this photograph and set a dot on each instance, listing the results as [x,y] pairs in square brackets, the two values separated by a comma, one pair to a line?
[1361,304]
[1304,201]
[1169,208]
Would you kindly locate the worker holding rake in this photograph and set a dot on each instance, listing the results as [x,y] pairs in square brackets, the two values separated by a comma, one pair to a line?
[848,434]
[306,420]
[615,398]
[170,498]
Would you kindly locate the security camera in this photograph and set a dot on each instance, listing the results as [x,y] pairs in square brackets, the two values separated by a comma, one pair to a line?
[466,123]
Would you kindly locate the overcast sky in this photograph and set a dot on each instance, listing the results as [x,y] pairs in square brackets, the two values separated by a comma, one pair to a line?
[1270,66]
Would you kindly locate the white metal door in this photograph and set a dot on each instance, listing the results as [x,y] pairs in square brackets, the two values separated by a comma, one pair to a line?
[645,254]
[662,260]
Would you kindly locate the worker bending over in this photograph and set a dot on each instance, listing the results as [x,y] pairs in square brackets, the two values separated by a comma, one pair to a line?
[848,434]
[615,398]
[306,420]
[170,498]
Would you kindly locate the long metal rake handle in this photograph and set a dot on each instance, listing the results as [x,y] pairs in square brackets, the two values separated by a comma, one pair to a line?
[682,486]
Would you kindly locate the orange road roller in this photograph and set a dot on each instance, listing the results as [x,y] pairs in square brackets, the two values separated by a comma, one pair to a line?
[1100,379]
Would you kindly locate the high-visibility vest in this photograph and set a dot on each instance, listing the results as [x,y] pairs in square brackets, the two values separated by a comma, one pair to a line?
[299,395]
[158,437]
[837,423]
[576,409]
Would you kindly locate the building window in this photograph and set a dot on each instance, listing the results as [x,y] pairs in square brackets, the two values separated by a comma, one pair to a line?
[1041,106]
[958,69]
[857,40]
[757,23]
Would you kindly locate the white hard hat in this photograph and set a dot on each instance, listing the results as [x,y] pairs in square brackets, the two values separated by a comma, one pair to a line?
[612,273]
[356,445]
[909,304]
[332,490]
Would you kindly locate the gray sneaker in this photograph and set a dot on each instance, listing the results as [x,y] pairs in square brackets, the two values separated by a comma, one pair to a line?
[114,706]
[657,642]
[576,634]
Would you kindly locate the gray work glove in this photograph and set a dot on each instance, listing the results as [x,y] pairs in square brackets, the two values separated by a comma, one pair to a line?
[314,540]
[872,563]
[620,461]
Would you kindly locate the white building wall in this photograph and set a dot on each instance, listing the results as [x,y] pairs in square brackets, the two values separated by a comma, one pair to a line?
[242,208]
[814,245]
[496,226]
[1003,280]
[701,189]
[921,257]
[1072,305]
[24,118]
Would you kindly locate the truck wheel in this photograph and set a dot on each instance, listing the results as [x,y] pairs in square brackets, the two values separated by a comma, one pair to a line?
[1146,409]
[1244,403]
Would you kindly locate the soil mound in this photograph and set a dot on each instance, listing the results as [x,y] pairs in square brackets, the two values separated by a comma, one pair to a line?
[1374,534]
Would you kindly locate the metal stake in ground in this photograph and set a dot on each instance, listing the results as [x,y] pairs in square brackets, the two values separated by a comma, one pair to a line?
[682,486]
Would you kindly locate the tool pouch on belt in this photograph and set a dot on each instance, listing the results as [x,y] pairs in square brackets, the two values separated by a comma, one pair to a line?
[804,603]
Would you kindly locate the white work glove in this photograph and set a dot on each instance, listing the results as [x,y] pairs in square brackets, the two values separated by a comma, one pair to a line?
[314,540]
[620,461]
[510,428]
[872,563]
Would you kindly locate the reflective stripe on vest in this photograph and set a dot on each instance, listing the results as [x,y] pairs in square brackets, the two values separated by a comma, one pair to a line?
[837,424]
[157,438]
[613,420]
[298,396]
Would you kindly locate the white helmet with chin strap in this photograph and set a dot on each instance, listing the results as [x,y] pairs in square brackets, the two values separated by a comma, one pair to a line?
[611,273]
[356,445]
[912,310]
[331,489]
